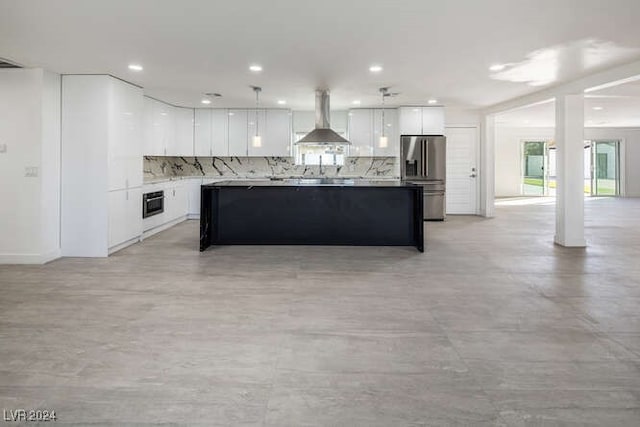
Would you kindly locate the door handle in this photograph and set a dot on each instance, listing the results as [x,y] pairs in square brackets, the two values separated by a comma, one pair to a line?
[473,175]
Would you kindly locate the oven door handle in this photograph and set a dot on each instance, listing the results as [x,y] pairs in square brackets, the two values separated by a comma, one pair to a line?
[154,198]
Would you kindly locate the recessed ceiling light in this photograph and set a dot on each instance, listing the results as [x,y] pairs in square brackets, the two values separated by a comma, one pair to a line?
[206,101]
[255,68]
[598,108]
[432,101]
[356,102]
[497,67]
[135,67]
[282,101]
[375,68]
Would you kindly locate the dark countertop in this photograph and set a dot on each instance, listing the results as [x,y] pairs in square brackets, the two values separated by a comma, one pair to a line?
[314,182]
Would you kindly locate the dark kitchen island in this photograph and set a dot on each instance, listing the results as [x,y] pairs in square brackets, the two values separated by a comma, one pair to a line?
[312,212]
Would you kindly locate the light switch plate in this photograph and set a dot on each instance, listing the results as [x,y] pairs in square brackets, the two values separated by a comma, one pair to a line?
[31,171]
[3,148]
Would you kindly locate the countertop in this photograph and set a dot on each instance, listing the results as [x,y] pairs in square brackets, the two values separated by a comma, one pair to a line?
[160,180]
[306,182]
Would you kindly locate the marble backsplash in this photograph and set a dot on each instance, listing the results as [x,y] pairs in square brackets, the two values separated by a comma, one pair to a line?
[266,167]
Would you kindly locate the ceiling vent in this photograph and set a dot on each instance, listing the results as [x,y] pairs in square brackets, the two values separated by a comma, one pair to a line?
[6,64]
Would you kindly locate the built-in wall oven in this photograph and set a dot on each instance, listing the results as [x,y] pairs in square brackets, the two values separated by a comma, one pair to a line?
[152,203]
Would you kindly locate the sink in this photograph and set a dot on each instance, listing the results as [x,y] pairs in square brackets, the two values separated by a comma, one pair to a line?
[324,181]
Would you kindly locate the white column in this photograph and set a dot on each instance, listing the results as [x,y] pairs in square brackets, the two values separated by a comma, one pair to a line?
[570,171]
[488,166]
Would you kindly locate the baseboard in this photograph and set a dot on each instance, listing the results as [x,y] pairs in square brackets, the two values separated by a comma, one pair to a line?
[193,216]
[123,245]
[155,230]
[29,258]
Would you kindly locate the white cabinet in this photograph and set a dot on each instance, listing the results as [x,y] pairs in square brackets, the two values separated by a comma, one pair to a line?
[102,119]
[166,128]
[211,132]
[176,202]
[339,121]
[433,120]
[203,132]
[274,128]
[390,146]
[238,133]
[125,216]
[220,132]
[256,125]
[182,144]
[193,195]
[157,127]
[410,120]
[125,115]
[169,130]
[366,129]
[361,132]
[149,124]
[421,120]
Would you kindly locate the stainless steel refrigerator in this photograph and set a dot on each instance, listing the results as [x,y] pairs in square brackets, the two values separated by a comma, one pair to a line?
[423,162]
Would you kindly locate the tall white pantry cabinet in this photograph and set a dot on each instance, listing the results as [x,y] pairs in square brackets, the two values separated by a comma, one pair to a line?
[102,121]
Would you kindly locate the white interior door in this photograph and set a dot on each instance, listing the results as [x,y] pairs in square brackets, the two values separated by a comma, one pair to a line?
[462,171]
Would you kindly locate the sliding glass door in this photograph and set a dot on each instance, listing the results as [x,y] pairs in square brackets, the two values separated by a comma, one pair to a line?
[605,168]
[538,168]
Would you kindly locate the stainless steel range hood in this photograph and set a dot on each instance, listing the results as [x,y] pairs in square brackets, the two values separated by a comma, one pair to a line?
[322,134]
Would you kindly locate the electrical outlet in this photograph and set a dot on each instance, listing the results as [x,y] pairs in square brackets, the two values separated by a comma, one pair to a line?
[31,171]
[3,148]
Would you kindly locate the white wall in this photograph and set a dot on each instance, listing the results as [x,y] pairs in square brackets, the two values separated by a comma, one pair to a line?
[509,155]
[456,117]
[30,128]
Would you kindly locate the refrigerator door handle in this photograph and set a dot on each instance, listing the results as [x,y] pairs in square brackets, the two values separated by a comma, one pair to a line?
[425,157]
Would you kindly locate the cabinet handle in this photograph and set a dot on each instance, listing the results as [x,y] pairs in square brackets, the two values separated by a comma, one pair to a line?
[127,194]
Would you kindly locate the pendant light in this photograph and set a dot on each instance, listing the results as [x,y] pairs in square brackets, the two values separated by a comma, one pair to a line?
[383,142]
[256,141]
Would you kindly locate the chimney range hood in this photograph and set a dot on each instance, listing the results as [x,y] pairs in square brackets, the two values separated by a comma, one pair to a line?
[322,134]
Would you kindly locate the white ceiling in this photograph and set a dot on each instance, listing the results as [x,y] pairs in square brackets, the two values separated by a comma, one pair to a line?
[617,106]
[428,48]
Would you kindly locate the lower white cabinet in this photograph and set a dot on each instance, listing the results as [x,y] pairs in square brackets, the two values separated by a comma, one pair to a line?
[176,200]
[125,215]
[193,195]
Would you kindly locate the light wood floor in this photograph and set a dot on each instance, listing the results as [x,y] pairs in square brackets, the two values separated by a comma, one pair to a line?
[492,325]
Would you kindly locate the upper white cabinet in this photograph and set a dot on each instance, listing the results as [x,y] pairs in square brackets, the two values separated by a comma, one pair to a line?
[211,136]
[125,110]
[183,140]
[433,120]
[366,132]
[175,131]
[149,124]
[203,132]
[238,133]
[169,130]
[361,132]
[220,132]
[256,125]
[421,120]
[274,128]
[388,146]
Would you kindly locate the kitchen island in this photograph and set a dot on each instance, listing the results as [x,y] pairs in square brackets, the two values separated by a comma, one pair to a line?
[312,212]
